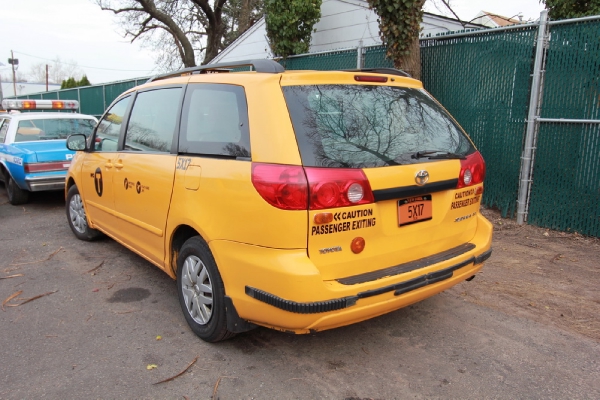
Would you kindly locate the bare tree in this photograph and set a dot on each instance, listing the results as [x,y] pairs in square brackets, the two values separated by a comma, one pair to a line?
[445,6]
[181,30]
[7,76]
[58,71]
[239,15]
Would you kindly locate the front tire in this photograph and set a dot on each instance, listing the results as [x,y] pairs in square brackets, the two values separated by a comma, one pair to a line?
[77,218]
[201,291]
[16,195]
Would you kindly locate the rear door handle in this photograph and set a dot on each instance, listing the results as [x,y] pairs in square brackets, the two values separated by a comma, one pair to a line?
[119,164]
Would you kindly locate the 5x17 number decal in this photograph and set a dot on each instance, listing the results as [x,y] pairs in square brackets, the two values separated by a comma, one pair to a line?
[183,163]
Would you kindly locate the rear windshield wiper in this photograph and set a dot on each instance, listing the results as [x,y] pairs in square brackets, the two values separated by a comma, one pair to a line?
[437,155]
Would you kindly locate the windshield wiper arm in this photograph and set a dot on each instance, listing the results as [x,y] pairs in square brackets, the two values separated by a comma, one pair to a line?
[447,156]
[424,153]
[437,155]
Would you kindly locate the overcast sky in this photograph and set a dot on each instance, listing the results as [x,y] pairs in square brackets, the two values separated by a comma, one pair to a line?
[39,31]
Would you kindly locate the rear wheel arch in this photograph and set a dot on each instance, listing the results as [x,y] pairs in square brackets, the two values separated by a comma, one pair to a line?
[178,238]
[4,173]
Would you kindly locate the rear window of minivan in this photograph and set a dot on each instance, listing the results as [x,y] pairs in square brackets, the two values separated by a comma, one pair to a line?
[363,126]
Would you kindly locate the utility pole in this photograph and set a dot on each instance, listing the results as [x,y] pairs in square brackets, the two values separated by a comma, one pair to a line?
[13,61]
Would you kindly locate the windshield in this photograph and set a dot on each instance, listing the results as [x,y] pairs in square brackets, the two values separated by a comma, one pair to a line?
[359,126]
[52,128]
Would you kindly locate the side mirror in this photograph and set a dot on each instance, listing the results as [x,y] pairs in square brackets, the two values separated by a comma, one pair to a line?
[76,142]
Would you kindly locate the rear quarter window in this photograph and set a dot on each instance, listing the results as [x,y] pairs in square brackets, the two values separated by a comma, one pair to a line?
[361,126]
[3,129]
[215,121]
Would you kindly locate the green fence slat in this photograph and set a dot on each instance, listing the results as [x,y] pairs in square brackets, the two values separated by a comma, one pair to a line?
[374,57]
[50,96]
[335,60]
[114,90]
[69,94]
[483,80]
[565,192]
[91,100]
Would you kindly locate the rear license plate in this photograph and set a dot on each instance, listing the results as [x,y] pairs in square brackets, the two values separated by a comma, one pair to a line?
[415,209]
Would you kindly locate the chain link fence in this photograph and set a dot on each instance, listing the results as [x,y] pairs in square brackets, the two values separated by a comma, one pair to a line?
[93,100]
[484,80]
[565,192]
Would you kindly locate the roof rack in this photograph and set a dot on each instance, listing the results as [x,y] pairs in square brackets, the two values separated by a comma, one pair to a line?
[388,71]
[264,66]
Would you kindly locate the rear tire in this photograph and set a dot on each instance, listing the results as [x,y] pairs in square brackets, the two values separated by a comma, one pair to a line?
[201,291]
[16,195]
[77,218]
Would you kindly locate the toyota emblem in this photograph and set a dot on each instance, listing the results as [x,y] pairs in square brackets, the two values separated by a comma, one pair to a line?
[422,177]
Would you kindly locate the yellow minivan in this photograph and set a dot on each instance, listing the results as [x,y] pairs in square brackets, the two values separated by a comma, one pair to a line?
[295,200]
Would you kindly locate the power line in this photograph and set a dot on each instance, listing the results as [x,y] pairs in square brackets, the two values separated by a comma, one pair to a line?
[84,66]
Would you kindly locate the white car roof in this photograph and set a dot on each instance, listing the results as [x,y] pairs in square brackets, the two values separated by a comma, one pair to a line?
[48,115]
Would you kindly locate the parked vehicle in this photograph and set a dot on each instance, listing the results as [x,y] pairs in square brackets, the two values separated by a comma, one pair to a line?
[33,156]
[298,200]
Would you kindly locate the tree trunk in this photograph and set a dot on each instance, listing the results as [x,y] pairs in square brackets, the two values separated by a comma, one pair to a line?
[245,12]
[411,63]
[188,59]
[212,46]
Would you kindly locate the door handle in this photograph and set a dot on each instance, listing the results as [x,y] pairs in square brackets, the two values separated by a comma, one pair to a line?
[119,164]
[108,164]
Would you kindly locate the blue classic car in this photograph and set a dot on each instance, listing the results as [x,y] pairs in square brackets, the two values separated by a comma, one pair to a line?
[33,154]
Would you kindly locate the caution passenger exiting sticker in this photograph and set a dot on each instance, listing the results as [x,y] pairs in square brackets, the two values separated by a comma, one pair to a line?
[358,222]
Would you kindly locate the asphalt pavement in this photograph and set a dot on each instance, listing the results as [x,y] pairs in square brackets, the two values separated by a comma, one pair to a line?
[94,320]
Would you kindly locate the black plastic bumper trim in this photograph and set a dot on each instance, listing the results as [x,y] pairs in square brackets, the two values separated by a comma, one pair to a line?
[482,257]
[345,302]
[410,191]
[419,282]
[301,308]
[408,266]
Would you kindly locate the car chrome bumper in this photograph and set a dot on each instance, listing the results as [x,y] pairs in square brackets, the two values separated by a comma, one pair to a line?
[43,183]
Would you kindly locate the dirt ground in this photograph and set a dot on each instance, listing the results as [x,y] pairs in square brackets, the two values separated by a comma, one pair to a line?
[544,275]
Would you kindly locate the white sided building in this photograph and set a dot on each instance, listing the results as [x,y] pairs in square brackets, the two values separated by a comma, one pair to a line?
[344,24]
[25,88]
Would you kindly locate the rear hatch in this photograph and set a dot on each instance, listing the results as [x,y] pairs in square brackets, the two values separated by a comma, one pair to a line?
[397,149]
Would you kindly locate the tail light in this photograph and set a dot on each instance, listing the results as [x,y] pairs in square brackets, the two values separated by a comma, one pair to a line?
[369,78]
[335,187]
[47,166]
[472,170]
[282,186]
[290,187]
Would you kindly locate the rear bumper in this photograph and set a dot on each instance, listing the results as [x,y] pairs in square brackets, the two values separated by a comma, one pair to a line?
[345,302]
[282,289]
[45,182]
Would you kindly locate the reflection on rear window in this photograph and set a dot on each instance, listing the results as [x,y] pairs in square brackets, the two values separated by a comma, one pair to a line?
[49,129]
[360,126]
